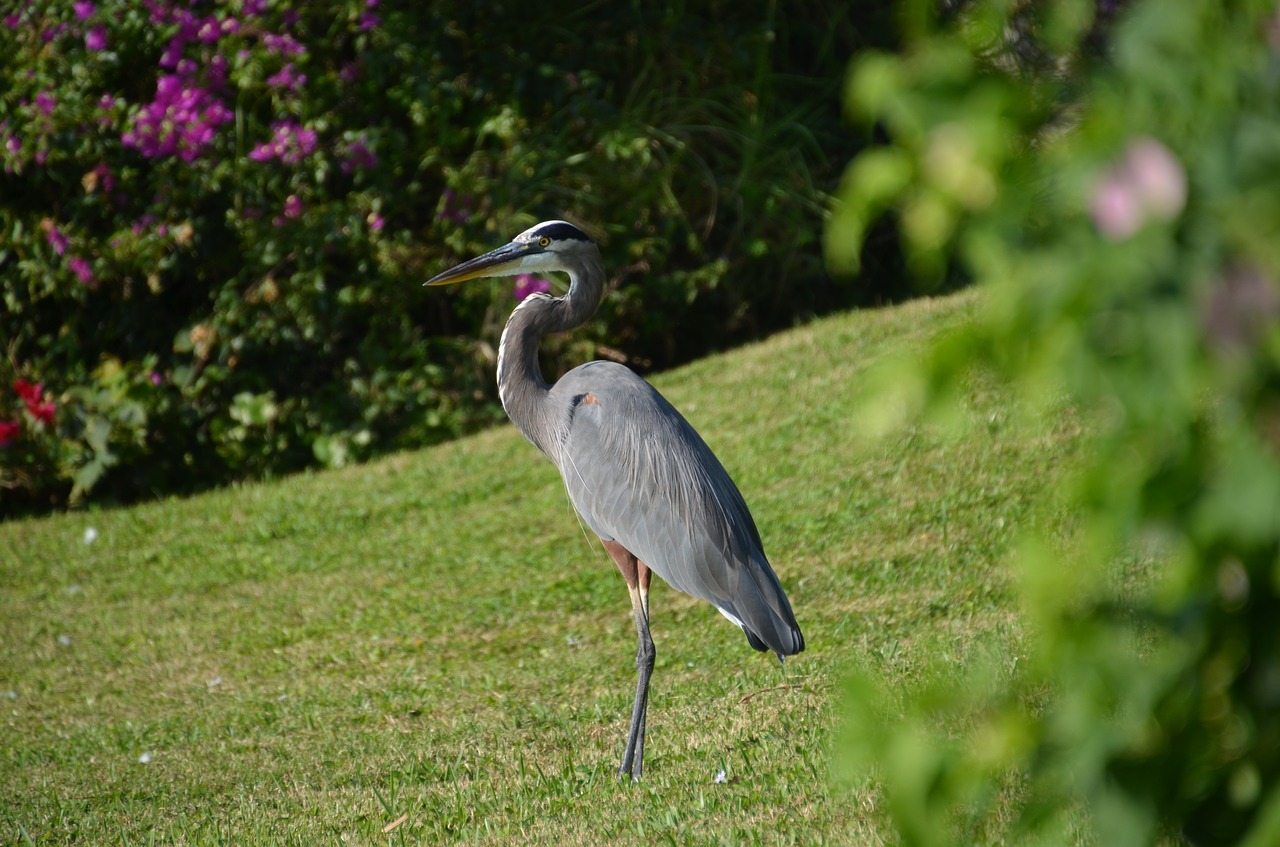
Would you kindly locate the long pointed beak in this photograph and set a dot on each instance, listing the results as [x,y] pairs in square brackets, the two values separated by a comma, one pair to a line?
[498,262]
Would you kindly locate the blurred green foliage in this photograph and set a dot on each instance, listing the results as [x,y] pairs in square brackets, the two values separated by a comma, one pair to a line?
[215,217]
[1121,208]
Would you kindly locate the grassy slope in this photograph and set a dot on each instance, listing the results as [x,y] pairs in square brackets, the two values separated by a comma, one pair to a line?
[433,634]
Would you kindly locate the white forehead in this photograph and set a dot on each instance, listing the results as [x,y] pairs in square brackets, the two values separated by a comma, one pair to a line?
[529,234]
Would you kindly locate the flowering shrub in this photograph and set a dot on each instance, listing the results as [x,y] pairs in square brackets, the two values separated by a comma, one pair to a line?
[215,216]
[1124,224]
[26,418]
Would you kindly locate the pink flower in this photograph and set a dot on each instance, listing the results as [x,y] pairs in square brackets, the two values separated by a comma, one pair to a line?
[81,269]
[96,38]
[84,9]
[375,222]
[1115,209]
[45,102]
[1158,177]
[9,431]
[57,239]
[1148,181]
[527,284]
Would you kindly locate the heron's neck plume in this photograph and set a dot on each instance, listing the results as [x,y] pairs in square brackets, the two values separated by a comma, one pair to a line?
[521,387]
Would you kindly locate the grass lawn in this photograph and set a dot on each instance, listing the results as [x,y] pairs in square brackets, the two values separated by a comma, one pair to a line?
[434,635]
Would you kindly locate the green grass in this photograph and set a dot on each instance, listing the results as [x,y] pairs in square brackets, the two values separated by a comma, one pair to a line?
[304,661]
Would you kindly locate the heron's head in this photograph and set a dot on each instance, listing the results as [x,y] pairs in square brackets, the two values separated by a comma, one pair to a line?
[548,246]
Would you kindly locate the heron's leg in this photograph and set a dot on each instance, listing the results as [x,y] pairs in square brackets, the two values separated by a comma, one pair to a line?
[637,576]
[644,661]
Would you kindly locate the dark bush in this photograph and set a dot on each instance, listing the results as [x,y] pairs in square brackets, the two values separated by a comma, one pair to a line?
[214,218]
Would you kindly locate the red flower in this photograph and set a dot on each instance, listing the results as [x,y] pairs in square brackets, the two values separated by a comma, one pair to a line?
[33,396]
[28,392]
[43,411]
[9,430]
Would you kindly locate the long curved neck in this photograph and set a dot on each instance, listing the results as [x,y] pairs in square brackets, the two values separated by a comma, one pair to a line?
[521,387]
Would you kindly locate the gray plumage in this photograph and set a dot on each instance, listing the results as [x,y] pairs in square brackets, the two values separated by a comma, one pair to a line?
[639,475]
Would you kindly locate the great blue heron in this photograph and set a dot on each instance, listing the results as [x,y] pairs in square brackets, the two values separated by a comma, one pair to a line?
[636,471]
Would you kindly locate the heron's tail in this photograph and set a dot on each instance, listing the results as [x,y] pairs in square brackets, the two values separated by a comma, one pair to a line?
[762,610]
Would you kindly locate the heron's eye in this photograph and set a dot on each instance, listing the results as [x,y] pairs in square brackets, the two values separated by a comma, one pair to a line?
[544,242]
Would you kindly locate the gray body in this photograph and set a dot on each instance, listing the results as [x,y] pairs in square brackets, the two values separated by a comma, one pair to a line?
[639,474]
[636,471]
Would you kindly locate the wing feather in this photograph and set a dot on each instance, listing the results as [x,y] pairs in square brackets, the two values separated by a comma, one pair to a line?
[638,473]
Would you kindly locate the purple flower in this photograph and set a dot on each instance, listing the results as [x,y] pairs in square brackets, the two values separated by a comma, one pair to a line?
[96,38]
[181,121]
[156,378]
[57,239]
[216,71]
[81,269]
[12,144]
[103,177]
[368,20]
[12,21]
[106,105]
[253,8]
[210,30]
[289,143]
[527,284]
[359,157]
[172,54]
[287,77]
[282,45]
[84,9]
[292,210]
[375,222]
[453,209]
[45,102]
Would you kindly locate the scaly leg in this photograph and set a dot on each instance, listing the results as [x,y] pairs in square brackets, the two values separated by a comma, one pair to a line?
[637,575]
